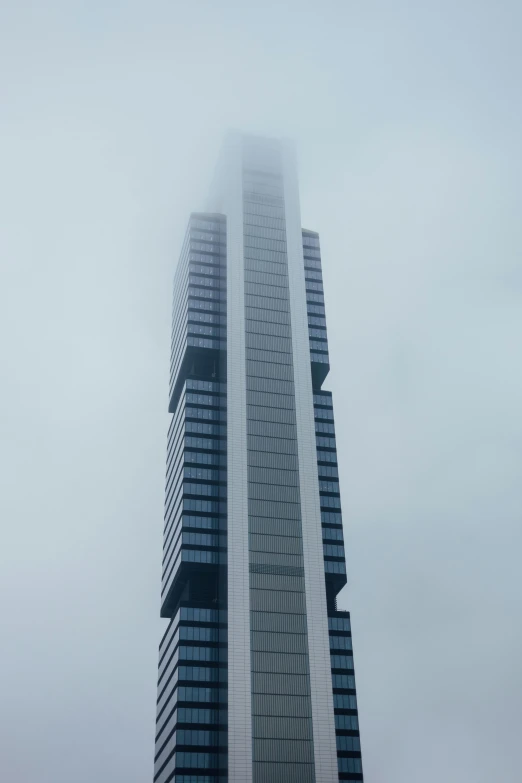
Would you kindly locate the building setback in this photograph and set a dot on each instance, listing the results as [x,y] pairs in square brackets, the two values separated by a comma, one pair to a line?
[256,679]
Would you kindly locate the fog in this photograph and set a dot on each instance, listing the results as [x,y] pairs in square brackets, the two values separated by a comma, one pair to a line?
[407,120]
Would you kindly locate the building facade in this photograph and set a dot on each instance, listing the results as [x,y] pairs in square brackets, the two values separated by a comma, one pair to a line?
[256,678]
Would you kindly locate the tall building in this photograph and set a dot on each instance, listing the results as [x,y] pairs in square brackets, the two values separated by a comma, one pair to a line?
[256,679]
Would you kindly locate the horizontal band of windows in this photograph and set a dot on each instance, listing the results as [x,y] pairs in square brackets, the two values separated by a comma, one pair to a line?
[316,320]
[206,281]
[284,751]
[205,330]
[349,765]
[205,490]
[326,456]
[201,737]
[214,248]
[273,508]
[196,292]
[313,286]
[326,442]
[269,357]
[264,221]
[281,706]
[314,309]
[328,471]
[262,278]
[312,263]
[281,663]
[257,302]
[273,566]
[204,539]
[270,369]
[271,343]
[255,267]
[268,329]
[198,715]
[324,428]
[269,385]
[206,654]
[205,429]
[332,534]
[204,317]
[328,486]
[275,527]
[255,208]
[281,728]
[277,601]
[207,506]
[271,429]
[334,567]
[311,252]
[276,401]
[277,622]
[259,254]
[205,458]
[200,399]
[318,345]
[347,722]
[196,305]
[271,460]
[287,584]
[256,313]
[316,332]
[197,234]
[279,642]
[212,444]
[343,681]
[287,545]
[277,446]
[270,492]
[340,642]
[328,501]
[264,244]
[273,294]
[188,693]
[331,518]
[214,387]
[276,476]
[319,358]
[205,414]
[208,674]
[341,662]
[311,275]
[252,231]
[204,474]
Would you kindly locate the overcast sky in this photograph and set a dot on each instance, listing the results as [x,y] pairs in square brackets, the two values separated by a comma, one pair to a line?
[408,121]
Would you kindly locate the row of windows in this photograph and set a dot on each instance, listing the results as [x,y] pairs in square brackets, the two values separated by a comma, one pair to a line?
[204,443]
[346,681]
[347,722]
[344,701]
[205,236]
[319,345]
[209,225]
[313,275]
[332,534]
[210,490]
[197,614]
[194,633]
[205,475]
[204,399]
[204,654]
[204,293]
[199,304]
[349,765]
[314,286]
[200,556]
[311,252]
[315,320]
[204,506]
[205,429]
[214,270]
[315,310]
[333,567]
[198,715]
[202,539]
[310,240]
[340,642]
[318,298]
[206,342]
[209,331]
[207,414]
[208,318]
[264,232]
[251,207]
[200,458]
[330,471]
[312,263]
[203,258]
[326,456]
[330,502]
[187,693]
[316,332]
[207,281]
[339,624]
[205,386]
[348,743]
[323,413]
[208,523]
[333,550]
[331,518]
[199,760]
[340,661]
[325,442]
[205,674]
[328,486]
[324,428]
[208,248]
[202,737]
[265,244]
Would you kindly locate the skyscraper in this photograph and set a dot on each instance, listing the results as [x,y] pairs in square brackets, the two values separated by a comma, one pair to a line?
[256,680]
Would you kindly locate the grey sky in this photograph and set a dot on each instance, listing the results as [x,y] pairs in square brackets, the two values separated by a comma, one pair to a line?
[408,123]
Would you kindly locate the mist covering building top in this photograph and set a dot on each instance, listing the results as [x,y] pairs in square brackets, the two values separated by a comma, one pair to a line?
[256,680]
